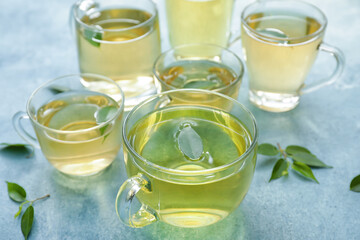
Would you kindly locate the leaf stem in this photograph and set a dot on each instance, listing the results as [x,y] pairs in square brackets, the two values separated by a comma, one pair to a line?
[46,196]
[282,151]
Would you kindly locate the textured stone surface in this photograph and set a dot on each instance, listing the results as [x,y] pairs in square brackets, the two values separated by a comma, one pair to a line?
[36,46]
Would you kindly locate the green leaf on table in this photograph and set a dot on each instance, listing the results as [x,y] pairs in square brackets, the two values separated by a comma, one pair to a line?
[309,159]
[200,85]
[190,143]
[58,88]
[267,149]
[16,192]
[93,37]
[355,184]
[18,147]
[280,169]
[303,170]
[27,221]
[292,149]
[15,145]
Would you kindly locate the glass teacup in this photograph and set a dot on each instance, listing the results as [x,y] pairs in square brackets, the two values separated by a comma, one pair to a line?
[189,164]
[200,66]
[77,120]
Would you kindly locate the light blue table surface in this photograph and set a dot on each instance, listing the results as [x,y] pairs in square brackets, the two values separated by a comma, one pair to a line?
[36,46]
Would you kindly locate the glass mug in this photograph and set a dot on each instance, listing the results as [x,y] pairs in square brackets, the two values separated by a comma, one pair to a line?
[201,66]
[280,41]
[119,39]
[199,21]
[189,164]
[77,124]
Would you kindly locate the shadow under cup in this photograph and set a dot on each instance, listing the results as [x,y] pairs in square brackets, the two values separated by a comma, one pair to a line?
[190,163]
[77,120]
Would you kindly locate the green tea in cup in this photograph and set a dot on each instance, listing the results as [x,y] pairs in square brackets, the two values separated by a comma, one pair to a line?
[200,66]
[119,39]
[78,129]
[199,21]
[189,164]
[281,40]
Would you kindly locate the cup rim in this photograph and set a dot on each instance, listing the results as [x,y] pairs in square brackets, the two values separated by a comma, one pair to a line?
[171,171]
[238,78]
[146,22]
[274,39]
[118,112]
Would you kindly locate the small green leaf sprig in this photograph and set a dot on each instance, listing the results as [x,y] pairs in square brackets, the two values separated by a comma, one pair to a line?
[17,147]
[302,160]
[18,194]
[355,184]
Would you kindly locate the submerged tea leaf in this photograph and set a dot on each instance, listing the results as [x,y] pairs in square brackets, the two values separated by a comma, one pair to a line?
[280,169]
[200,85]
[190,143]
[91,35]
[105,114]
[355,184]
[303,170]
[268,149]
[16,192]
[27,221]
[309,159]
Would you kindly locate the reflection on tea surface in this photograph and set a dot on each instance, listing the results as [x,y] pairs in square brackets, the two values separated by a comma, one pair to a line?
[120,44]
[201,74]
[82,149]
[191,138]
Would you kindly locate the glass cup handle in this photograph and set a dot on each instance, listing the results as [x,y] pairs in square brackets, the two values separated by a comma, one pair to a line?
[16,120]
[340,62]
[234,37]
[124,203]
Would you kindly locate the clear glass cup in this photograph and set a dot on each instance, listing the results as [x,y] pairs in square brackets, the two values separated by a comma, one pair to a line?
[119,39]
[190,164]
[281,40]
[77,120]
[201,66]
[199,21]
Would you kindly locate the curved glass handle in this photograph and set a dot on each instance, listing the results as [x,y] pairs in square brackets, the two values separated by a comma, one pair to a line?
[16,120]
[71,20]
[234,37]
[340,62]
[140,216]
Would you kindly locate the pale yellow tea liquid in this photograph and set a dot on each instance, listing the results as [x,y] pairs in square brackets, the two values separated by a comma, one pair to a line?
[123,46]
[75,145]
[201,74]
[279,58]
[199,21]
[191,139]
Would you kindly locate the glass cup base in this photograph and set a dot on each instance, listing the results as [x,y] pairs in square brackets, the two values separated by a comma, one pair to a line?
[136,90]
[274,102]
